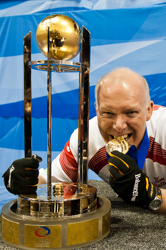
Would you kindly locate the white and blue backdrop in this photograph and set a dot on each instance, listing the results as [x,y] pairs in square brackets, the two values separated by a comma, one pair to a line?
[130,33]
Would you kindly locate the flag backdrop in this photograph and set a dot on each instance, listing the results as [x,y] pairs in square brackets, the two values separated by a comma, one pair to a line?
[123,33]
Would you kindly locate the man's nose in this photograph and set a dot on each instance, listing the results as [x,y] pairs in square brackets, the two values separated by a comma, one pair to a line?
[120,123]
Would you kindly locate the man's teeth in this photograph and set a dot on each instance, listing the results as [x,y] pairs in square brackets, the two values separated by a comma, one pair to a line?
[123,137]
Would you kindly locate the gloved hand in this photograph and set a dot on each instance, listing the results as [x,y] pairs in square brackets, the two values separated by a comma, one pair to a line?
[128,181]
[22,176]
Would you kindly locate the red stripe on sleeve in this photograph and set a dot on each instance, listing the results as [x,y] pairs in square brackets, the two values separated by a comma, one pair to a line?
[68,162]
[98,161]
[156,153]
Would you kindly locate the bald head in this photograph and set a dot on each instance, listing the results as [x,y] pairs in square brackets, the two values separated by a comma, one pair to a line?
[122,77]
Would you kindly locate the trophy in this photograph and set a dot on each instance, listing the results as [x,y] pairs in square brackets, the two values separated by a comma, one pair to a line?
[59,215]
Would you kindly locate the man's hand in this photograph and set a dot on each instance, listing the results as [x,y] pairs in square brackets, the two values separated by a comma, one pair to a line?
[22,176]
[128,181]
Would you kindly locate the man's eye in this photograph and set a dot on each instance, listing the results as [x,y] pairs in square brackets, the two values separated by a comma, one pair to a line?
[108,114]
[132,113]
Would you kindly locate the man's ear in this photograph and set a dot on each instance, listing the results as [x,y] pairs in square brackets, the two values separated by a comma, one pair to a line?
[149,111]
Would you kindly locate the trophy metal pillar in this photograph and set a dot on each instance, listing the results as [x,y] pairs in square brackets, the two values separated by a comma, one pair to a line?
[49,118]
[83,120]
[27,97]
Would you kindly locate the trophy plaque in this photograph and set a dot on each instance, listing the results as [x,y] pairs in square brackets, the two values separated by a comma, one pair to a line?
[59,215]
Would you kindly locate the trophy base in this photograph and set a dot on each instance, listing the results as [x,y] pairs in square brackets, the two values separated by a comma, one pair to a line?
[65,200]
[37,231]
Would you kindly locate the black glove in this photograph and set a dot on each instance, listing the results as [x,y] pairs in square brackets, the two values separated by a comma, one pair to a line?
[128,181]
[22,176]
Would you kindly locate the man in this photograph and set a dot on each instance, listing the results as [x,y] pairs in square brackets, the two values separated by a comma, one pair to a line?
[124,110]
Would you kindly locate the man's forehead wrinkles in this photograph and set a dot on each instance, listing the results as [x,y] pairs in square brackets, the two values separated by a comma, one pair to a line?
[121,106]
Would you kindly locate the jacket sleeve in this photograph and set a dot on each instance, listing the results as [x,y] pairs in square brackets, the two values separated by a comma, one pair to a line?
[64,166]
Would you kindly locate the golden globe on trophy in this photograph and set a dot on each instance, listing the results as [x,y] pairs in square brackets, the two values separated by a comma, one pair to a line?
[59,215]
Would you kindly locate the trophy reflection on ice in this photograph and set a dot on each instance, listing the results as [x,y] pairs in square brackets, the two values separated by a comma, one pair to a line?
[60,215]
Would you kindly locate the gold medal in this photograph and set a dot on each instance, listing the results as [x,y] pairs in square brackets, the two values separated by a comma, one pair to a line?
[118,144]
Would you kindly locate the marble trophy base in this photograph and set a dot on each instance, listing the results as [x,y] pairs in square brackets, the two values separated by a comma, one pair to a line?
[67,220]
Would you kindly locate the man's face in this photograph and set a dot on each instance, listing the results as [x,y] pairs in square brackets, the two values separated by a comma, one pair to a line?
[122,111]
